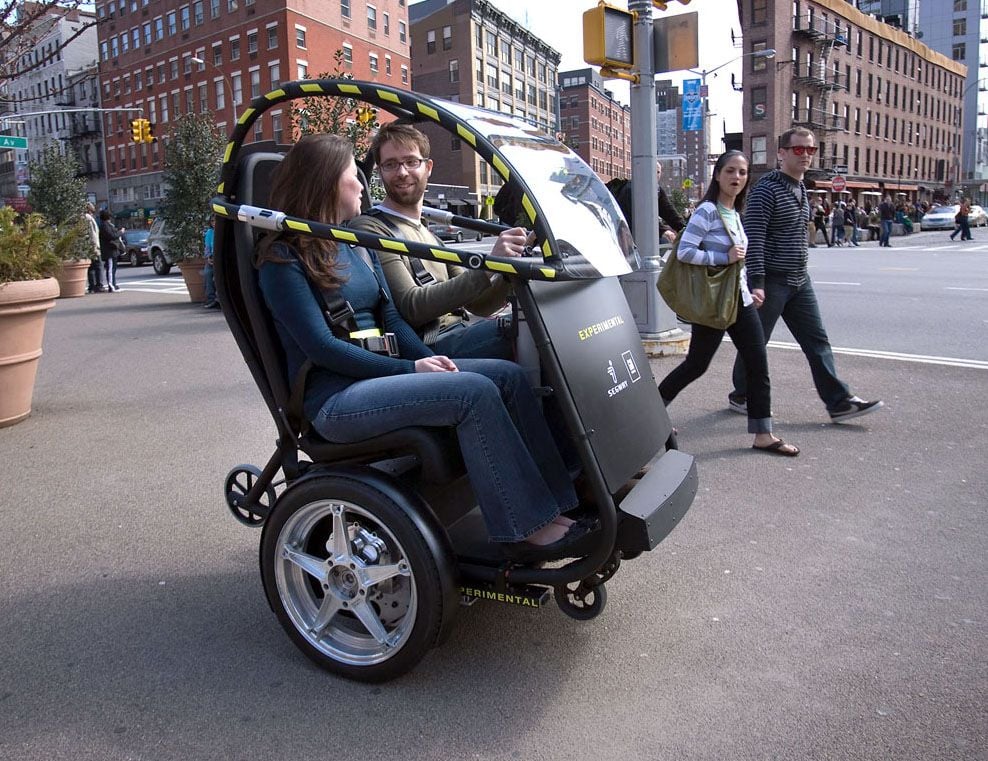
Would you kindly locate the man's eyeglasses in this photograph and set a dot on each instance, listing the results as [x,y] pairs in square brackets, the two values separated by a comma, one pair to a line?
[799,150]
[410,164]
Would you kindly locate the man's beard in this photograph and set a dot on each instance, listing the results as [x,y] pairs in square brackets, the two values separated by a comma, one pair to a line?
[409,195]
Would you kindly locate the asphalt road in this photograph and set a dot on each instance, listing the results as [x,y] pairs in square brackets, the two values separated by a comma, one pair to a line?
[827,607]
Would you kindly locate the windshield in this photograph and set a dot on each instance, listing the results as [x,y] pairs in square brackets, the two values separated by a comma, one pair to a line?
[591,235]
[944,209]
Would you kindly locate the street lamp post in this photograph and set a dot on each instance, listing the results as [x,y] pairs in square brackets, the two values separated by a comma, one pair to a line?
[704,163]
[227,83]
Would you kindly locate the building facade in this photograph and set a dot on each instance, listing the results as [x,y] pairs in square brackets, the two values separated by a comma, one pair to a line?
[57,73]
[958,29]
[166,58]
[470,52]
[595,125]
[886,109]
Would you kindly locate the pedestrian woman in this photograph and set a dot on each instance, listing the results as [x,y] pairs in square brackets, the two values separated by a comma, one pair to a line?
[109,237]
[715,236]
[962,221]
[851,223]
[820,223]
[359,388]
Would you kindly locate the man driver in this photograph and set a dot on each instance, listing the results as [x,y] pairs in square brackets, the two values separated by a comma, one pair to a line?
[433,297]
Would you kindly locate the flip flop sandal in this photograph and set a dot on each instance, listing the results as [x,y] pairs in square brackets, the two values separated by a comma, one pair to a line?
[776,448]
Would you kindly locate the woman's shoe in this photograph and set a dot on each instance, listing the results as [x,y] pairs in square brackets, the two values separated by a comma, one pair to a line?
[578,541]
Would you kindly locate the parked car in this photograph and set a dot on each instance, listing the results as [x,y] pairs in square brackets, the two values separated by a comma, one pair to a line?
[452,232]
[939,218]
[158,240]
[978,217]
[137,247]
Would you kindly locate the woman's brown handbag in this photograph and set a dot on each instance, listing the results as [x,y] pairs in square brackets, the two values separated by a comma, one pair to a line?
[699,293]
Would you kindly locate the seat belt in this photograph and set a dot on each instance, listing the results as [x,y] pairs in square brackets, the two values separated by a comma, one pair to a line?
[420,274]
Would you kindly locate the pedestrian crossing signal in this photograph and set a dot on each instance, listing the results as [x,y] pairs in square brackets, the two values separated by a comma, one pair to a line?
[147,131]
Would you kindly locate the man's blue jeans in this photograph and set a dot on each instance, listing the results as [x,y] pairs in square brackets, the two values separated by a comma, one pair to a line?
[483,338]
[797,305]
[514,467]
[886,232]
[208,280]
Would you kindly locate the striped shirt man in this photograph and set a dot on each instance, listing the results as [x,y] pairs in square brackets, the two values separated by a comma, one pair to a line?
[776,216]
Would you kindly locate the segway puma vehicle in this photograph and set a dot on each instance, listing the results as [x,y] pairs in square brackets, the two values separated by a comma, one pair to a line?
[369,549]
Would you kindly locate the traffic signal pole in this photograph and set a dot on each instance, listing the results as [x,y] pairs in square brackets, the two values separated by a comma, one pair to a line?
[643,157]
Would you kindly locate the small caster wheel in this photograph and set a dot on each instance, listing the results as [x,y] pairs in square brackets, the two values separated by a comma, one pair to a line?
[673,441]
[578,602]
[239,481]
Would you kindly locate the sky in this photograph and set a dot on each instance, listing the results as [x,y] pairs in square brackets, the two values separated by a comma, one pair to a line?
[560,24]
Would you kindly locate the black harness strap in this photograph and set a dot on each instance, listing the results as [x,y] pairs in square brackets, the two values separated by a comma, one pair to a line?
[420,274]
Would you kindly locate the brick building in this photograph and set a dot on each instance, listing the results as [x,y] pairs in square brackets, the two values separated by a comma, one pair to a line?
[886,109]
[597,127]
[470,52]
[246,48]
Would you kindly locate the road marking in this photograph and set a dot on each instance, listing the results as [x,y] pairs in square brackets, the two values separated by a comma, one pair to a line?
[974,364]
[898,269]
[832,282]
[958,288]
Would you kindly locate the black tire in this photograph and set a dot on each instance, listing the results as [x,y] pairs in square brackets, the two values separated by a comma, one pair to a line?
[161,265]
[302,574]
[480,236]
[458,237]
[135,259]
[581,603]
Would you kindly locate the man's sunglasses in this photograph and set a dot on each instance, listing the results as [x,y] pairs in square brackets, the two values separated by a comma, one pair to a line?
[799,150]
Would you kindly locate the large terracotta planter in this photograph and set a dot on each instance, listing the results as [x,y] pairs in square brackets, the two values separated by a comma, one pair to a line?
[23,308]
[72,279]
[192,273]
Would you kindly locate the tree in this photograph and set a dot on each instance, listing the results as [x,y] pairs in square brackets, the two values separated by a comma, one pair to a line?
[340,116]
[59,195]
[23,25]
[678,198]
[193,155]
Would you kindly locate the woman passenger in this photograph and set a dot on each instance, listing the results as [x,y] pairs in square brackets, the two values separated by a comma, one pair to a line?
[351,394]
[715,236]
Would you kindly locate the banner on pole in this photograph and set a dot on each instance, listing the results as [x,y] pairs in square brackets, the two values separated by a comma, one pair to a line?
[692,106]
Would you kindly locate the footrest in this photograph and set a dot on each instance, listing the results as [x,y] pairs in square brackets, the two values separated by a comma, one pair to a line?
[525,595]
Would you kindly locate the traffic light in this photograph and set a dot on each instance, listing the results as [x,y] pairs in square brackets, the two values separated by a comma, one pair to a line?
[147,131]
[365,115]
[608,37]
[137,130]
[663,4]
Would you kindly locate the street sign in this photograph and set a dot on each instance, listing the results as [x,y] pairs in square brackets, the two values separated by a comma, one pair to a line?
[838,184]
[9,141]
[692,106]
[840,169]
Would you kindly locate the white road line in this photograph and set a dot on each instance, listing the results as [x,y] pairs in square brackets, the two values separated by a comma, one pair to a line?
[181,289]
[958,288]
[974,364]
[832,282]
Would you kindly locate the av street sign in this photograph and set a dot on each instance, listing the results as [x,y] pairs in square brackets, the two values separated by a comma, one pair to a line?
[8,141]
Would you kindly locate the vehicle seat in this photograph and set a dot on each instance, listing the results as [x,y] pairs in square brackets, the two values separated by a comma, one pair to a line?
[436,448]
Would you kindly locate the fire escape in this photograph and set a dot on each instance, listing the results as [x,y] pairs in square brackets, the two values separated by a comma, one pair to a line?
[817,78]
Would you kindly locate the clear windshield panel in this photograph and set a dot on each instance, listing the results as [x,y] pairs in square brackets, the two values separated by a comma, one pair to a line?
[592,236]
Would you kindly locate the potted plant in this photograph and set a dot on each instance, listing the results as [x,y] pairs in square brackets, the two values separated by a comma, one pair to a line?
[59,195]
[192,163]
[27,292]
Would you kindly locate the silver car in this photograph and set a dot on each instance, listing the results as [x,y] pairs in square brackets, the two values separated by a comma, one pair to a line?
[158,240]
[978,217]
[939,218]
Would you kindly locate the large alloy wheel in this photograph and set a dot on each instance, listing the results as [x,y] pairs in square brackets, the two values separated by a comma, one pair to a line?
[161,265]
[351,578]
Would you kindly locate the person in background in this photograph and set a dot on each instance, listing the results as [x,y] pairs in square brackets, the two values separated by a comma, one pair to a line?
[94,274]
[962,221]
[670,222]
[780,284]
[886,215]
[208,279]
[109,237]
[715,237]
[820,224]
[851,223]
[837,224]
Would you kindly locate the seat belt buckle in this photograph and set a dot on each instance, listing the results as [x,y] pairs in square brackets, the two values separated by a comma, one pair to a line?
[340,314]
[385,344]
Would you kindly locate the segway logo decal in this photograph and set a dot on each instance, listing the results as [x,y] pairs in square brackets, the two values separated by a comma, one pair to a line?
[600,327]
[618,387]
[629,362]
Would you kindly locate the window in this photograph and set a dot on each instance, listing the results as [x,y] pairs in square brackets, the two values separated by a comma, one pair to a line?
[404,75]
[255,82]
[757,63]
[302,70]
[759,108]
[347,55]
[147,32]
[402,31]
[231,5]
[387,24]
[236,84]
[234,48]
[172,22]
[186,18]
[960,27]
[135,35]
[447,37]
[173,66]
[492,44]
[274,75]
[220,89]
[300,37]
[163,103]
[960,5]
[187,64]
[958,51]
[198,12]
[430,41]
[372,18]
[124,42]
[252,42]
[272,37]
[373,63]
[214,8]
[345,9]
[218,54]
[454,70]
[276,128]
[203,98]
[387,65]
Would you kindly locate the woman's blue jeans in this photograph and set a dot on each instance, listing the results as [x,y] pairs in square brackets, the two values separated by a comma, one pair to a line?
[517,474]
[798,308]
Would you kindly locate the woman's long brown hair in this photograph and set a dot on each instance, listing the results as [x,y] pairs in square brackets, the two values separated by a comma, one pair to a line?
[306,185]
